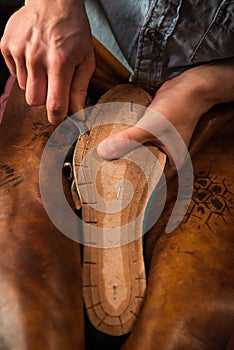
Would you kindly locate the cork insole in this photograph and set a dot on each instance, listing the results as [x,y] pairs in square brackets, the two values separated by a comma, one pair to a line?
[114,196]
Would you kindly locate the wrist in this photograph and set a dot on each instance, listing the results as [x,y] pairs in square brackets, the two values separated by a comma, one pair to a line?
[61,5]
[213,83]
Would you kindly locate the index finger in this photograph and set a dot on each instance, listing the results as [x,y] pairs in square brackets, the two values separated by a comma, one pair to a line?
[59,82]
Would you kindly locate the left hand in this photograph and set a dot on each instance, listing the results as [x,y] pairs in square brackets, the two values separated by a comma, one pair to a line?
[181,101]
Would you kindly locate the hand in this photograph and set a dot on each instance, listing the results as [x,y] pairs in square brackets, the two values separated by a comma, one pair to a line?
[47,45]
[181,101]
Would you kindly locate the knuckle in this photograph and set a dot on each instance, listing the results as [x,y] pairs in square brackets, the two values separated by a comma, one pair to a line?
[58,59]
[32,59]
[126,134]
[16,51]
[34,54]
[56,108]
[4,45]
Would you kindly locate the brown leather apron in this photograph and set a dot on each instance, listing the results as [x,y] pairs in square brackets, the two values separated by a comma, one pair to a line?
[40,271]
[190,295]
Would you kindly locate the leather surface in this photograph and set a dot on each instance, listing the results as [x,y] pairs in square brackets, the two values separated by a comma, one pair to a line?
[190,297]
[40,271]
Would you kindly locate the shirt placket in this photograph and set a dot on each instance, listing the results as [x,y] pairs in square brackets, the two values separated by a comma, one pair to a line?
[158,26]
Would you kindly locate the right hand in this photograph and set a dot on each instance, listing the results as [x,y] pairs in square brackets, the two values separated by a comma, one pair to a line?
[48,47]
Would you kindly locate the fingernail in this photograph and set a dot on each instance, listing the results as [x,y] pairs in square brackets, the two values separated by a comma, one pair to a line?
[107,150]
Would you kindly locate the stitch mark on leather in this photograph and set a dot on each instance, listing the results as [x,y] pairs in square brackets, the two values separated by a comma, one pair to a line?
[211,200]
[8,177]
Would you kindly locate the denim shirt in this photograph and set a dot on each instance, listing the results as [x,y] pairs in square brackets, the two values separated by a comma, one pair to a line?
[162,38]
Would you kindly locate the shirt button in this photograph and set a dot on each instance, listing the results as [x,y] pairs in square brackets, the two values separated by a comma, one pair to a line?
[153,34]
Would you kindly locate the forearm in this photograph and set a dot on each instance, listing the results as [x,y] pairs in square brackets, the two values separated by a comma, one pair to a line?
[57,7]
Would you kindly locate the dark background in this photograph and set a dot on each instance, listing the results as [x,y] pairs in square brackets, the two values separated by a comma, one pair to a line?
[7,8]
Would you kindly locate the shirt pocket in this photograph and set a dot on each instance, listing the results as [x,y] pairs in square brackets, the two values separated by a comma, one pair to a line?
[218,40]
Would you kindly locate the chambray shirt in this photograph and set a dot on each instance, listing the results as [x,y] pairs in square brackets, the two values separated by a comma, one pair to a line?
[159,39]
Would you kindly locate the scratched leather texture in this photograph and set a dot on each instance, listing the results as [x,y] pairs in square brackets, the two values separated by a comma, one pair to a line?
[40,271]
[190,297]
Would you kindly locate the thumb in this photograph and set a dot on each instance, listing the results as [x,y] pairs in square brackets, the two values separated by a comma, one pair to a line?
[145,130]
[123,142]
[152,127]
